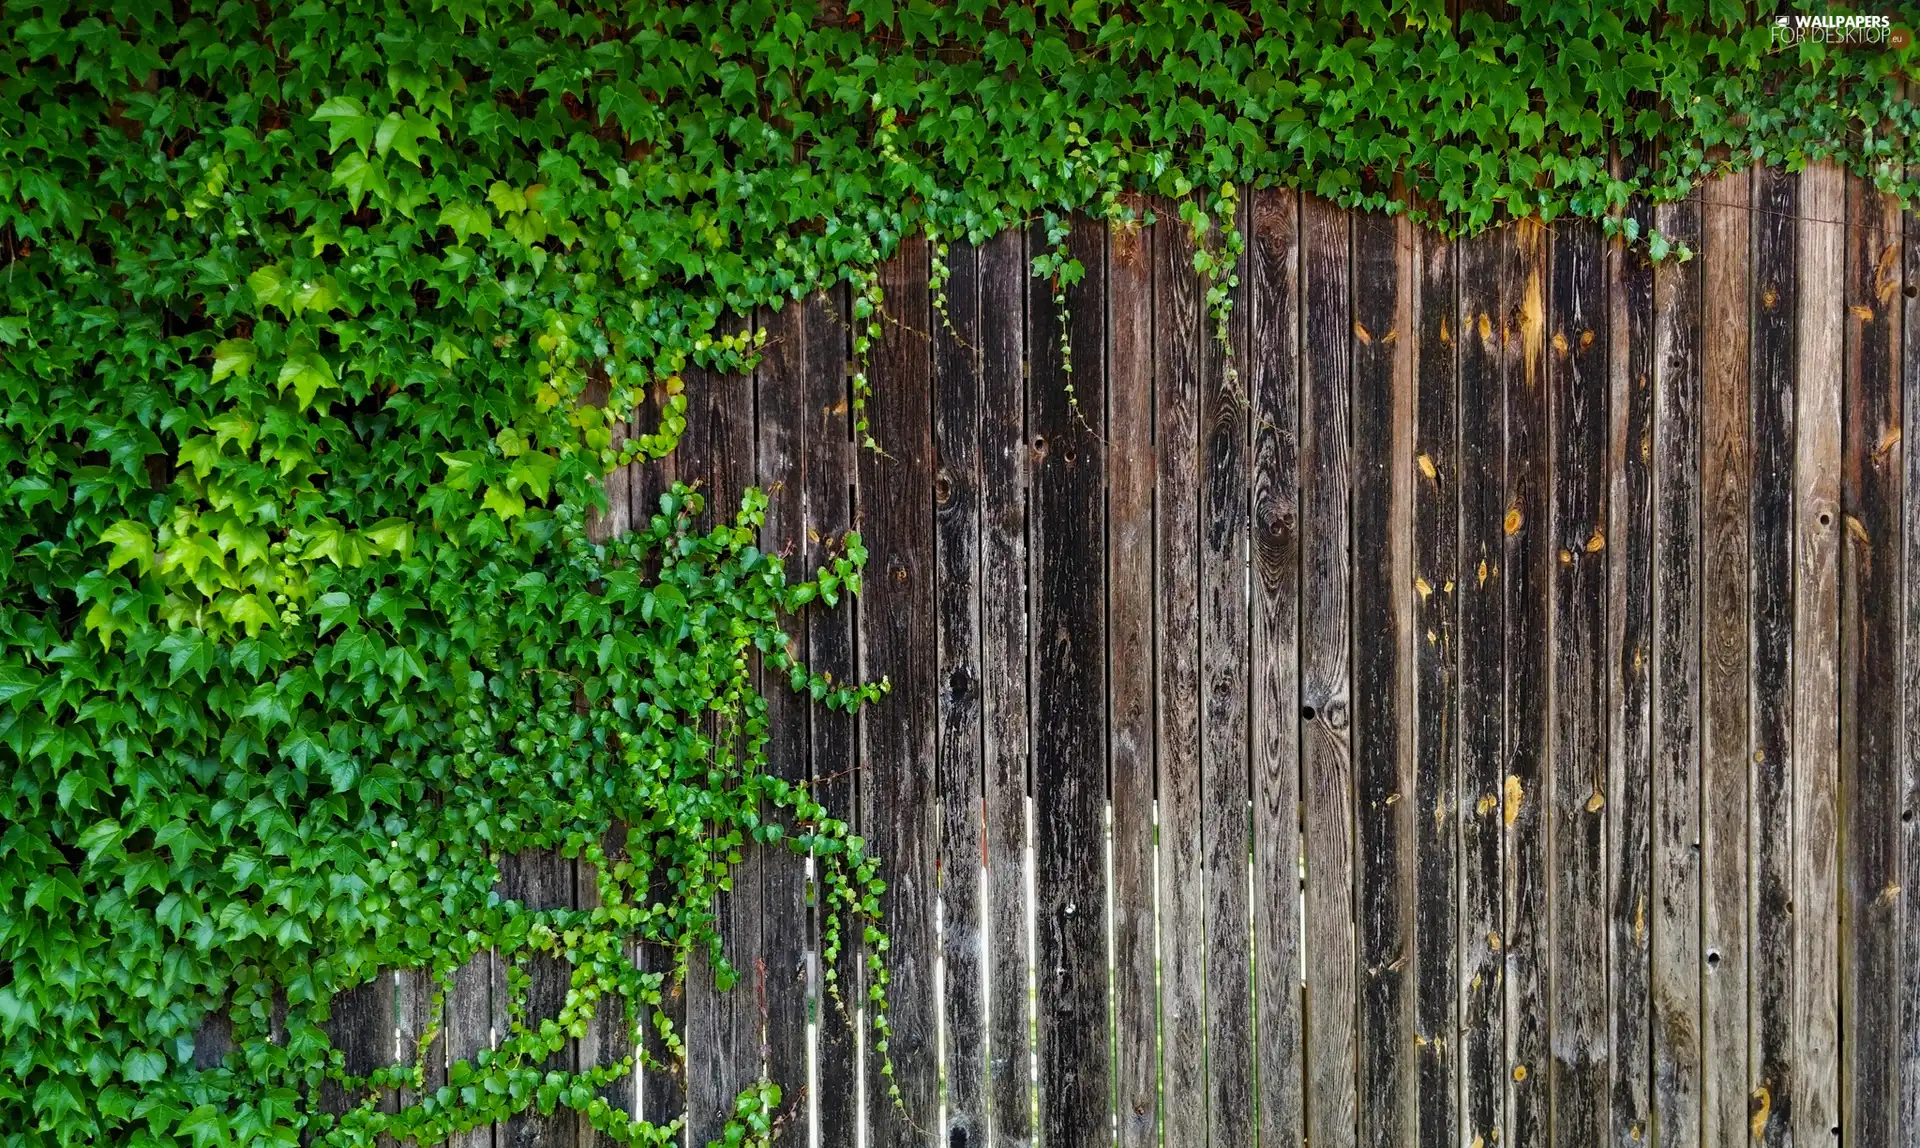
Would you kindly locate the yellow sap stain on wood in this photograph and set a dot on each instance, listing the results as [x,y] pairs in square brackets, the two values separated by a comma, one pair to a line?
[1533,310]
[1513,520]
[1360,333]
[1423,587]
[1519,1072]
[1560,343]
[1483,571]
[1597,541]
[1511,806]
[1858,529]
[1446,336]
[1486,805]
[1426,466]
[1769,297]
[1762,1108]
[1597,802]
[1861,312]
[1886,273]
[1888,440]
[1586,339]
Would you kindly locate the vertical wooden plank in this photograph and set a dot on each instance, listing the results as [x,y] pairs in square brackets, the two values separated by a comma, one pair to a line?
[830,480]
[1816,657]
[1130,677]
[1909,1051]
[471,1019]
[1382,583]
[780,388]
[1004,460]
[896,739]
[1483,683]
[1327,772]
[1224,540]
[1272,368]
[956,501]
[539,879]
[1726,476]
[1436,572]
[360,1025]
[1527,554]
[608,1039]
[1177,327]
[1870,717]
[1578,377]
[1629,681]
[1069,690]
[1774,299]
[1675,918]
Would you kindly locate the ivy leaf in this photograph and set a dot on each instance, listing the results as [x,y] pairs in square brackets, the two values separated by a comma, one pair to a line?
[307,372]
[346,119]
[132,542]
[361,177]
[466,220]
[233,357]
[403,134]
[269,286]
[503,502]
[143,1065]
[336,609]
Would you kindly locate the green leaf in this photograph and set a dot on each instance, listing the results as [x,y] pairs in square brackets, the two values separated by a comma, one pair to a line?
[403,133]
[504,502]
[233,357]
[466,220]
[346,119]
[307,373]
[132,542]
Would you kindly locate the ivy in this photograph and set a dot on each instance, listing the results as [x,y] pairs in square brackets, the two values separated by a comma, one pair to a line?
[318,320]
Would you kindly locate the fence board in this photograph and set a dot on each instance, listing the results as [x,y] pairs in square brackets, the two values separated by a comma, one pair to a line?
[1909,1050]
[538,879]
[471,1022]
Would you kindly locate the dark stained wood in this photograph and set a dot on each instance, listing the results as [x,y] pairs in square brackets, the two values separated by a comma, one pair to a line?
[1272,369]
[1527,555]
[1436,719]
[1177,319]
[1773,298]
[1130,677]
[1382,584]
[539,879]
[360,1024]
[1478,811]
[1577,798]
[1325,688]
[1908,1053]
[1870,711]
[1675,915]
[1629,794]
[956,501]
[1068,536]
[1006,741]
[608,1039]
[1816,655]
[897,642]
[471,1019]
[1726,478]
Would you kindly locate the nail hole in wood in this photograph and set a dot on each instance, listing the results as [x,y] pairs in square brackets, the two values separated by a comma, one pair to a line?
[1306,713]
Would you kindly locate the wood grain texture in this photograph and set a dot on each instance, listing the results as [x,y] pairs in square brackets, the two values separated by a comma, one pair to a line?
[1909,1050]
[1816,656]
[1005,700]
[1726,477]
[1178,314]
[1382,585]
[608,1039]
[471,1020]
[897,641]
[1272,369]
[1483,683]
[1870,718]
[539,879]
[1774,299]
[956,501]
[1326,462]
[360,1024]
[1130,678]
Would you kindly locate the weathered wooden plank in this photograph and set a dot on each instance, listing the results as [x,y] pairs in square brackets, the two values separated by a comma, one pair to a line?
[780,397]
[360,1025]
[956,502]
[1774,301]
[1577,803]
[1436,573]
[1629,681]
[471,1018]
[1004,460]
[1726,476]
[896,739]
[830,479]
[1272,369]
[1130,677]
[608,1039]
[1382,586]
[1527,554]
[1483,683]
[1325,689]
[1177,319]
[1675,916]
[1068,536]
[1816,654]
[539,879]
[1870,717]
[1909,1050]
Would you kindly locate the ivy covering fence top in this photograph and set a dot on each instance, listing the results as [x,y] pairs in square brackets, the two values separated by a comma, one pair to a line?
[301,627]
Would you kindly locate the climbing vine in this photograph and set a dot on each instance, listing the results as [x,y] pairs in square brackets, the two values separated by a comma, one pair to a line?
[318,319]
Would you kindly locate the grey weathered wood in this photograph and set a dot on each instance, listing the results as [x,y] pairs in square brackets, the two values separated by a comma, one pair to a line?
[1325,688]
[1005,712]
[896,739]
[1816,665]
[1068,536]
[471,1019]
[1576,801]
[1774,301]
[1870,711]
[608,1039]
[539,879]
[1527,555]
[1726,476]
[1177,318]
[360,1025]
[956,500]
[1382,589]
[1436,718]
[1909,1050]
[1478,811]
[1629,682]
[1272,372]
[1130,677]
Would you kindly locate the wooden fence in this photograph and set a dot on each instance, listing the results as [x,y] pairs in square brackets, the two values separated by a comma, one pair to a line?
[1483,710]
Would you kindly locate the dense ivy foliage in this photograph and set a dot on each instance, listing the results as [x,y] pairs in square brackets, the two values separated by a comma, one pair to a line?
[304,303]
